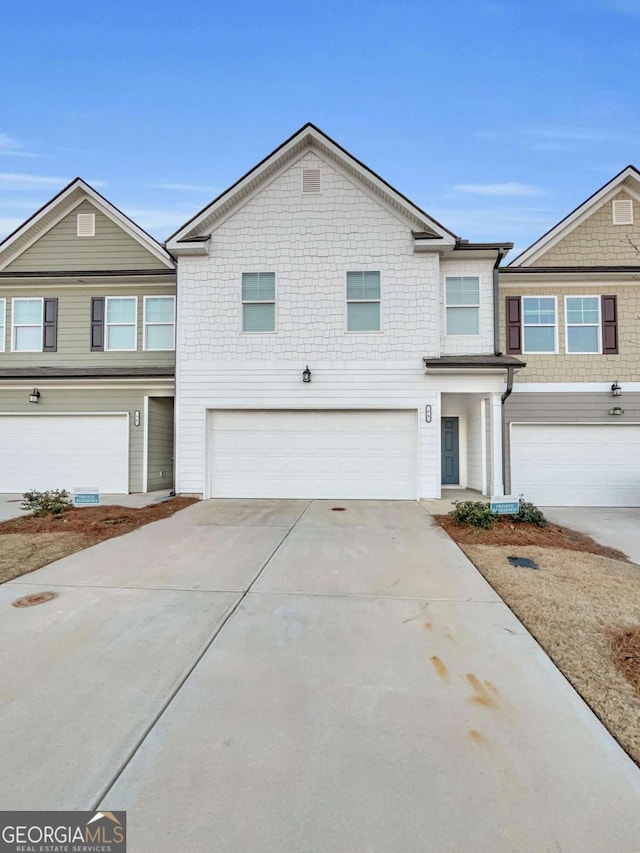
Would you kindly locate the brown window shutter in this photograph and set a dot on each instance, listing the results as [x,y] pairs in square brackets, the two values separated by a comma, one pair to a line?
[97,324]
[514,324]
[50,326]
[609,325]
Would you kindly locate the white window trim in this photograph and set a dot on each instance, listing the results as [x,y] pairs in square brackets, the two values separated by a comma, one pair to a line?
[585,325]
[3,325]
[273,302]
[555,326]
[468,305]
[346,308]
[107,348]
[146,324]
[15,326]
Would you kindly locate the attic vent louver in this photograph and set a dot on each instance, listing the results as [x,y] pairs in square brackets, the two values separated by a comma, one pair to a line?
[623,211]
[86,225]
[310,181]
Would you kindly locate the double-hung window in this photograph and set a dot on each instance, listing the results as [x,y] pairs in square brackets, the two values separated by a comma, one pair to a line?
[28,323]
[363,301]
[258,302]
[583,323]
[121,328]
[3,323]
[462,295]
[159,322]
[539,324]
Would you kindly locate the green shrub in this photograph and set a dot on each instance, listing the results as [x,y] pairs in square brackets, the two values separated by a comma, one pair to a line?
[475,513]
[52,502]
[530,514]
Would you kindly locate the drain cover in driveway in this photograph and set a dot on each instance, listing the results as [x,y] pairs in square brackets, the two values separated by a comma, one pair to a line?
[523,563]
[34,598]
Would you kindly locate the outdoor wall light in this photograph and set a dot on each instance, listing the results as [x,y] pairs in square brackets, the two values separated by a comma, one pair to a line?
[306,374]
[616,411]
[616,390]
[34,396]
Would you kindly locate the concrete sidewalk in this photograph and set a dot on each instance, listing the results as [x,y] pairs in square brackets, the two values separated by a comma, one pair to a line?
[279,676]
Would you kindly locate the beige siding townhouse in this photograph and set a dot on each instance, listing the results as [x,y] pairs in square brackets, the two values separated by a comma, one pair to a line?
[87,330]
[571,307]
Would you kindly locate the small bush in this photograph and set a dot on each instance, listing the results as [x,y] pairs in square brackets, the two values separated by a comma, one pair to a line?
[474,513]
[530,514]
[52,502]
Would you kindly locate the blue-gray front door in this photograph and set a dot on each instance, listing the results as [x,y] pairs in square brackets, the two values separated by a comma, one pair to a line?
[450,452]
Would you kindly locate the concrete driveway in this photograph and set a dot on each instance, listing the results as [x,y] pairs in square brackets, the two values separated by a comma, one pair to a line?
[617,527]
[279,676]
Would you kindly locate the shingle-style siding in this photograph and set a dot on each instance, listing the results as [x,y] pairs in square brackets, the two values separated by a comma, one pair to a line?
[563,367]
[566,407]
[597,241]
[61,249]
[74,326]
[112,399]
[160,443]
[469,344]
[310,242]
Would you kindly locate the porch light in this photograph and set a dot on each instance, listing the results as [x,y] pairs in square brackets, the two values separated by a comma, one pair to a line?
[306,374]
[616,411]
[34,396]
[616,390]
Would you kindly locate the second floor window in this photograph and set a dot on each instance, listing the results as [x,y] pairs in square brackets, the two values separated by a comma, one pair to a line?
[462,294]
[539,324]
[28,318]
[120,323]
[363,301]
[258,302]
[159,322]
[583,323]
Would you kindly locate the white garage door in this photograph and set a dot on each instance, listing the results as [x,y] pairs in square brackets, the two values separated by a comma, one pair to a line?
[64,451]
[576,465]
[313,454]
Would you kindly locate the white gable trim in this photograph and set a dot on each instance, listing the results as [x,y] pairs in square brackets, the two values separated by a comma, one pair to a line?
[309,138]
[579,215]
[62,205]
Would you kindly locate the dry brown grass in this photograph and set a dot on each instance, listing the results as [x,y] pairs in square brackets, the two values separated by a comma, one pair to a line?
[28,543]
[578,605]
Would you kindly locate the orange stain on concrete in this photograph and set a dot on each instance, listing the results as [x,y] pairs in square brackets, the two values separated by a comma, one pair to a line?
[480,694]
[439,667]
[428,626]
[477,737]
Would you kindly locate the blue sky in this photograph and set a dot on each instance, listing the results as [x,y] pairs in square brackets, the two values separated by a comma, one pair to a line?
[496,117]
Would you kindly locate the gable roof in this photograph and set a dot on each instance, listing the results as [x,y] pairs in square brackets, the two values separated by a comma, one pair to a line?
[309,136]
[628,179]
[60,206]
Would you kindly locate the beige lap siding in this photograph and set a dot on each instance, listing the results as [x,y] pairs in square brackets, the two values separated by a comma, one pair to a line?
[593,367]
[16,401]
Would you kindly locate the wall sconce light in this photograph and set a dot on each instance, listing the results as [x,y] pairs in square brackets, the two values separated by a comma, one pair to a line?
[306,374]
[616,390]
[34,396]
[616,411]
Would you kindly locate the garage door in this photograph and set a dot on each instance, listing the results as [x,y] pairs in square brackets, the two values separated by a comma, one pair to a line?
[64,451]
[576,465]
[313,454]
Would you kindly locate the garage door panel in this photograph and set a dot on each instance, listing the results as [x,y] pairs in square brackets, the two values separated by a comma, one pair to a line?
[349,454]
[64,451]
[576,464]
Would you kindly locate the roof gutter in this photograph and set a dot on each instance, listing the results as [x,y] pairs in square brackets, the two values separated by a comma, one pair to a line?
[496,302]
[505,396]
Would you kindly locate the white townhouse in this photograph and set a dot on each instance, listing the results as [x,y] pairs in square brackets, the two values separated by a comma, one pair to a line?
[333,340]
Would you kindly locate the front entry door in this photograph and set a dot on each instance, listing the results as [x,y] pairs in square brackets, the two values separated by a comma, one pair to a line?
[450,452]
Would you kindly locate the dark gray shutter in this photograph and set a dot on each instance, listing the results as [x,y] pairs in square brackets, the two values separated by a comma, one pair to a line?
[514,324]
[609,325]
[50,326]
[97,324]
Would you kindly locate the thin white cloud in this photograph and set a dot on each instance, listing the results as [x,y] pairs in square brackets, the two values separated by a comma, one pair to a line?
[626,7]
[10,147]
[511,188]
[23,181]
[159,221]
[195,188]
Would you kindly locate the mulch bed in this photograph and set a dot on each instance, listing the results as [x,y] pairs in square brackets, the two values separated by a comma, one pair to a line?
[97,522]
[626,656]
[507,532]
